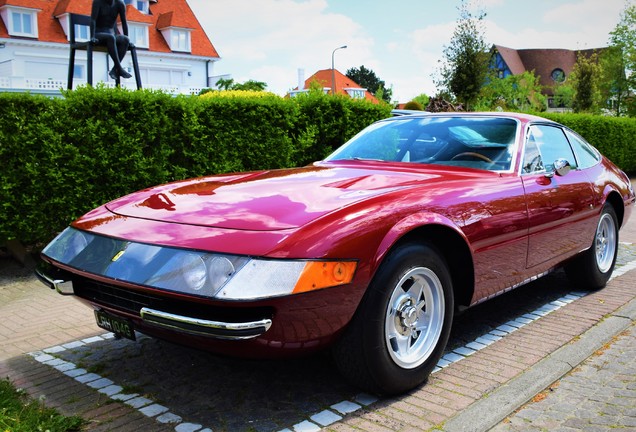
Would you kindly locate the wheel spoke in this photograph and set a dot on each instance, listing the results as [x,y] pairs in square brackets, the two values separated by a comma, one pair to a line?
[415,317]
[416,290]
[605,243]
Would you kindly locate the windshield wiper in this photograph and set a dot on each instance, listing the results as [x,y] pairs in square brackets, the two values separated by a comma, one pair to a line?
[367,159]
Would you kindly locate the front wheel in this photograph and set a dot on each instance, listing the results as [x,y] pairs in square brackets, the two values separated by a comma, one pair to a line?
[592,269]
[402,324]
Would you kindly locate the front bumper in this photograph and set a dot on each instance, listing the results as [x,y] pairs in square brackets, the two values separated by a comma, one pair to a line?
[115,299]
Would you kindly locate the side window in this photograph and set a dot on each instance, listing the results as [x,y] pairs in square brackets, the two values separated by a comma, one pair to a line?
[544,145]
[586,155]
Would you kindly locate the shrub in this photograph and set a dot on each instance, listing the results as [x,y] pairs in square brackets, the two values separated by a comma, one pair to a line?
[63,157]
[413,105]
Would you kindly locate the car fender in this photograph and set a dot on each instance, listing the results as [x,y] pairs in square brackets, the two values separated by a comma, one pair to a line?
[409,224]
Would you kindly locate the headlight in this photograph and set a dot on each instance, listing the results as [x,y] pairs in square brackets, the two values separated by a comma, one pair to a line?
[68,244]
[221,276]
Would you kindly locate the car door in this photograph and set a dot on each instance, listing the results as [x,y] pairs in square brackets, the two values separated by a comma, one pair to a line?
[560,208]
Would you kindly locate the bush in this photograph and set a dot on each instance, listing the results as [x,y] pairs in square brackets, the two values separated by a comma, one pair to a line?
[63,157]
[413,105]
[612,136]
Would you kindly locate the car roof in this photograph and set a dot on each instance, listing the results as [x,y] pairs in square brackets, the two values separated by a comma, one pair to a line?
[513,115]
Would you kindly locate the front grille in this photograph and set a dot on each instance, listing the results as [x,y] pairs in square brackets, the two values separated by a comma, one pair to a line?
[114,297]
[131,301]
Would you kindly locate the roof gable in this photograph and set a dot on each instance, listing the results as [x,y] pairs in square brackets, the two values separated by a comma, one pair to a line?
[31,4]
[325,78]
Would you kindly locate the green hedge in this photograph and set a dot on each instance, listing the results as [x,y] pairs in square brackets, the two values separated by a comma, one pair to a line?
[60,158]
[615,137]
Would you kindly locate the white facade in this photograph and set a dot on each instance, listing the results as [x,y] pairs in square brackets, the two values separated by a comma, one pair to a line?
[30,64]
[43,67]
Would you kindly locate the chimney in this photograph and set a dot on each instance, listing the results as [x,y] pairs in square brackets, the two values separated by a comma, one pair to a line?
[301,79]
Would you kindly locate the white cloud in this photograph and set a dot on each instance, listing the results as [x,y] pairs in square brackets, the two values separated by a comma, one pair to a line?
[579,24]
[270,39]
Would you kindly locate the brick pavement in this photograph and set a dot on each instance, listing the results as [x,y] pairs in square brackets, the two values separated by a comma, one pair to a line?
[35,318]
[599,395]
[457,387]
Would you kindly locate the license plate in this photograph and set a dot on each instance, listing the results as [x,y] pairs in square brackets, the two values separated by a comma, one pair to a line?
[119,326]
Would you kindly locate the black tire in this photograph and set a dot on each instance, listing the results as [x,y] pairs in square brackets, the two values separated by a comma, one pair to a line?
[386,349]
[591,269]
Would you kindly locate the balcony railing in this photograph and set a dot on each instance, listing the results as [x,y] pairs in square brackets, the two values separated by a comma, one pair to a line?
[48,85]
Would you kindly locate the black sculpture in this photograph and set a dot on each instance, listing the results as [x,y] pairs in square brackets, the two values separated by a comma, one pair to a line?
[104,31]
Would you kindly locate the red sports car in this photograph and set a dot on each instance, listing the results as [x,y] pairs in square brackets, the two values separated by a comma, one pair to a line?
[369,252]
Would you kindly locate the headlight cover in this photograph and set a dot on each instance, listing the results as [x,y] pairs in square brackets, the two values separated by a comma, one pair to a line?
[221,276]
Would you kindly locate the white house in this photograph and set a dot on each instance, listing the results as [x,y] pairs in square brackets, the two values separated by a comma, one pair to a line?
[173,50]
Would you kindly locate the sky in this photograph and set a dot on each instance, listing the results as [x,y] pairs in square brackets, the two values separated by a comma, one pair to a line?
[401,41]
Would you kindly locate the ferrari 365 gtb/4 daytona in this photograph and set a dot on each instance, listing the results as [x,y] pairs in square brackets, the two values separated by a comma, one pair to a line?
[368,252]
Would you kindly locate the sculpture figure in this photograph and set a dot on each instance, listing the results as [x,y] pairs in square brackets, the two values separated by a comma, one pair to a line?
[104,31]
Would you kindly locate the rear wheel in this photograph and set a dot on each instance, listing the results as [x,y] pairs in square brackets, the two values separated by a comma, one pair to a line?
[402,324]
[592,269]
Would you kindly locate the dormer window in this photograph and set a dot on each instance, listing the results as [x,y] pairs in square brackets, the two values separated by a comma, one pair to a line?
[20,21]
[180,40]
[356,93]
[138,34]
[82,33]
[143,6]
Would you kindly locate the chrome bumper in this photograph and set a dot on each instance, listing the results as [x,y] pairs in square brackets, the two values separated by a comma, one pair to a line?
[185,324]
[63,287]
[197,326]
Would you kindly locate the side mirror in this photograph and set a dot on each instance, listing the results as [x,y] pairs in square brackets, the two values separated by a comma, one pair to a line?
[561,168]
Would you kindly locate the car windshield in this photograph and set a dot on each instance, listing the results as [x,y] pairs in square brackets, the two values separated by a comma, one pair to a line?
[475,142]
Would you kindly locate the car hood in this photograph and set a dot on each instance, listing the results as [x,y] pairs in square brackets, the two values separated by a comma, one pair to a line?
[265,200]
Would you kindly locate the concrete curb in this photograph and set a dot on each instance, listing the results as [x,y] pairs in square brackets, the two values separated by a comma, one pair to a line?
[495,407]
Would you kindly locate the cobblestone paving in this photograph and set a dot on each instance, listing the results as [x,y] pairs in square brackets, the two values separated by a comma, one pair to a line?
[599,395]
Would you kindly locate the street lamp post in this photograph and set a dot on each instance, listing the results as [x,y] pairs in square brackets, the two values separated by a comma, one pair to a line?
[333,70]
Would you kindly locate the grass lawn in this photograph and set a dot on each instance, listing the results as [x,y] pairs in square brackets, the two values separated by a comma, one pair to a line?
[19,413]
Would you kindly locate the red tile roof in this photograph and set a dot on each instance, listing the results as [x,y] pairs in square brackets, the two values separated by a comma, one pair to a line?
[33,4]
[342,82]
[178,12]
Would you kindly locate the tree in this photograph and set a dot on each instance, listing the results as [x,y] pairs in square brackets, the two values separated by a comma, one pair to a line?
[613,83]
[465,68]
[367,79]
[563,95]
[514,92]
[229,84]
[585,78]
[422,99]
[623,42]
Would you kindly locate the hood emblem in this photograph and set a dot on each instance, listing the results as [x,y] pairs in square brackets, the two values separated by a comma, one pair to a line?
[118,255]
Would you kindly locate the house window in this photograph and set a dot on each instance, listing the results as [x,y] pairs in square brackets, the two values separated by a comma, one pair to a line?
[78,72]
[23,23]
[82,33]
[138,35]
[180,40]
[558,75]
[142,6]
[356,93]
